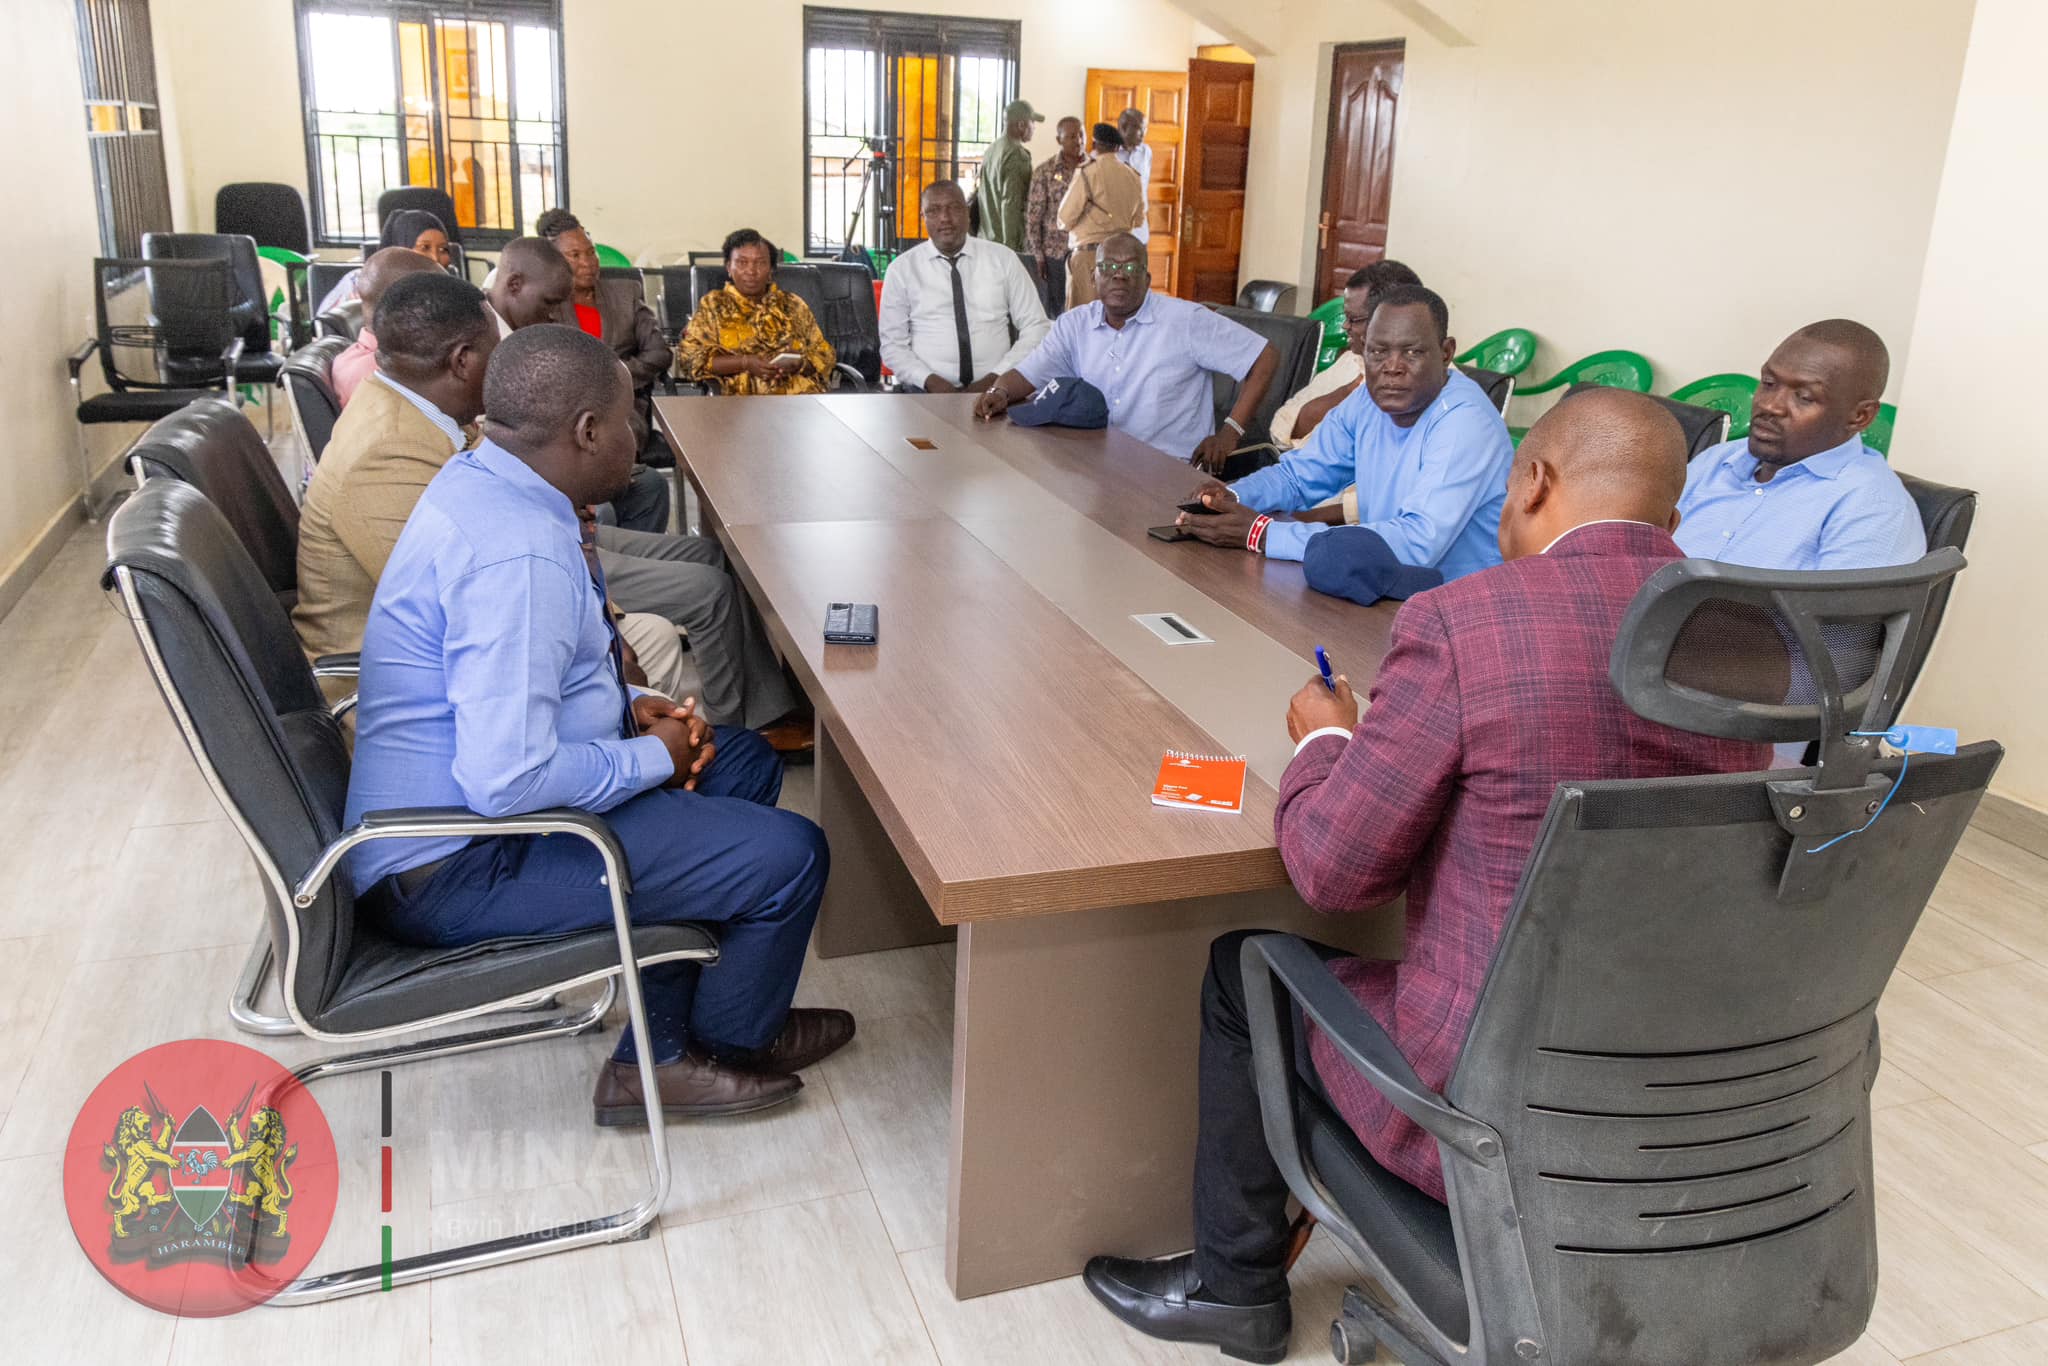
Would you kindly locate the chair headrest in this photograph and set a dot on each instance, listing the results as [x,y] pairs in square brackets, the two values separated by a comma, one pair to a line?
[316,359]
[1776,655]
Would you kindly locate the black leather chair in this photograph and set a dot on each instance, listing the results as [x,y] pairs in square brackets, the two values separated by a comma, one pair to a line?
[323,276]
[1297,340]
[273,214]
[344,320]
[1656,1140]
[1499,388]
[1703,427]
[677,301]
[849,320]
[1945,514]
[231,672]
[133,352]
[1267,296]
[309,389]
[218,451]
[248,305]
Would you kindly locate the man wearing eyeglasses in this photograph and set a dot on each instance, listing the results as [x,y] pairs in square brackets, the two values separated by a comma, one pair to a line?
[1152,356]
[1425,447]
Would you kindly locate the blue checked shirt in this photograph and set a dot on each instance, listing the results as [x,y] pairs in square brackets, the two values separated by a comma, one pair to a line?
[1154,371]
[1841,509]
[1432,490]
[488,680]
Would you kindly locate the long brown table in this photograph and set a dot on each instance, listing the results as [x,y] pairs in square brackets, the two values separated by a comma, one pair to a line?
[986,770]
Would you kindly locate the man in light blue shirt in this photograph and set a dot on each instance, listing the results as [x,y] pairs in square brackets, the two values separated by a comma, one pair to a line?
[492,679]
[1425,446]
[1151,355]
[1802,491]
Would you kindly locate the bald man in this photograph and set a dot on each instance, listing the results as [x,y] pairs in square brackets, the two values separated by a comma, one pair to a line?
[532,284]
[1802,491]
[1494,691]
[355,364]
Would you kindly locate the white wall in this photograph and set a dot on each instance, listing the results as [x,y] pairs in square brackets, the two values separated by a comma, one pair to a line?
[1967,415]
[685,120]
[1691,181]
[47,308]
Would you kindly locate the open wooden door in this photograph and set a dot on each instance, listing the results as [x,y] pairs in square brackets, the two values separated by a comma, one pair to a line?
[1218,136]
[1163,96]
[1358,168]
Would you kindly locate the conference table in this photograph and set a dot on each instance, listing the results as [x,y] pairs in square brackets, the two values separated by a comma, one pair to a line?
[985,770]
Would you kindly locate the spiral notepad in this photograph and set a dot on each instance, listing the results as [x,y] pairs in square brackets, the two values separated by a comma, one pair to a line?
[1200,782]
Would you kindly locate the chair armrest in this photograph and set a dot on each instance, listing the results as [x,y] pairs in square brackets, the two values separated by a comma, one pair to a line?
[436,822]
[1356,1034]
[343,665]
[230,361]
[848,377]
[75,362]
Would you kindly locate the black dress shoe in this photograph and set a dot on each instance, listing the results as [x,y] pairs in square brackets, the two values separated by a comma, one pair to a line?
[1163,1298]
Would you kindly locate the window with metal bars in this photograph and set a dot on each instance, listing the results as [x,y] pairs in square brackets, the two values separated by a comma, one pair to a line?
[463,97]
[117,64]
[893,102]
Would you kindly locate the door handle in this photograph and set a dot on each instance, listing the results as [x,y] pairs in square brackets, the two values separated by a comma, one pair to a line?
[1323,232]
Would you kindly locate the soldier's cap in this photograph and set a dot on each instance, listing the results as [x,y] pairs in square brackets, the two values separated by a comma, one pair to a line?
[1022,110]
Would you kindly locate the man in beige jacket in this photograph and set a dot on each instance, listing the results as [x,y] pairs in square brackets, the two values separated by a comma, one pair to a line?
[1105,199]
[435,337]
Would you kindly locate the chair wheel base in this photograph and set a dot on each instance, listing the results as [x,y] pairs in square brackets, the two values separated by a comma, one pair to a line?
[1361,1329]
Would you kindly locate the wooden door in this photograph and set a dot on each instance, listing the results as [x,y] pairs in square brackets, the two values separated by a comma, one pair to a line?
[1163,95]
[1218,136]
[1358,170]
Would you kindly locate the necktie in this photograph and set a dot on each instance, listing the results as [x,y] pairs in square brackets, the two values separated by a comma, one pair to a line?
[967,375]
[629,728]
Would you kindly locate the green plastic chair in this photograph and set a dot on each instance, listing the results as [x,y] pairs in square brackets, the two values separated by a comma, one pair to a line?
[282,314]
[1331,315]
[1507,352]
[612,256]
[1732,394]
[1878,435]
[1615,369]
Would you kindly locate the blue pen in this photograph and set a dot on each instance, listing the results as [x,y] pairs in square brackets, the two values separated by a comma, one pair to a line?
[1323,663]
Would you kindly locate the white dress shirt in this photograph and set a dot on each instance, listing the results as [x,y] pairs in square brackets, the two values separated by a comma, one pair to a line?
[919,338]
[1140,161]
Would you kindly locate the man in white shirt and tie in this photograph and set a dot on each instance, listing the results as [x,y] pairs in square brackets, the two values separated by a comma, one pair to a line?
[1137,154]
[957,310]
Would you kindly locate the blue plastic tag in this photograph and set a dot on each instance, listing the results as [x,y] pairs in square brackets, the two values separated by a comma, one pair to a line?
[1922,739]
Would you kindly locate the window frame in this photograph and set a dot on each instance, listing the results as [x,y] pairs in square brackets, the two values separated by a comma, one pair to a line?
[131,187]
[889,35]
[509,12]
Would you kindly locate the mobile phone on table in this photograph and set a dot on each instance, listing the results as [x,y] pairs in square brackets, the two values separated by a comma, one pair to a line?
[1169,533]
[1198,508]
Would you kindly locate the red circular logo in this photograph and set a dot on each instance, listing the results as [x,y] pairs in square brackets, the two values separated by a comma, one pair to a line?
[200,1177]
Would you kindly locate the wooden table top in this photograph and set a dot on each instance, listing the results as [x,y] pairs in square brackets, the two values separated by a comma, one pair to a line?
[1009,725]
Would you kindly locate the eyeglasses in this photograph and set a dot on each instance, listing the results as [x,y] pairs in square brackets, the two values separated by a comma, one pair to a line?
[1130,270]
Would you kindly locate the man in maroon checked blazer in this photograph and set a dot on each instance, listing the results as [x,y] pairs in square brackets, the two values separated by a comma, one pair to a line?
[1495,690]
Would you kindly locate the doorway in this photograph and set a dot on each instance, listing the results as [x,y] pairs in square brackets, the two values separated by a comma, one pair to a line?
[1358,163]
[1163,96]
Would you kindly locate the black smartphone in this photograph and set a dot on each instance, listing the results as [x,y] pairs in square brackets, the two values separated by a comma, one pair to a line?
[1169,533]
[1199,508]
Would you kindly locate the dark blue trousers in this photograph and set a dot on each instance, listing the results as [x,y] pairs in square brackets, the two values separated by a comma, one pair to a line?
[721,856]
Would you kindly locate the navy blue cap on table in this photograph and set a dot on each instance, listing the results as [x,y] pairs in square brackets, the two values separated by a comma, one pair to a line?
[1355,562]
[1064,401]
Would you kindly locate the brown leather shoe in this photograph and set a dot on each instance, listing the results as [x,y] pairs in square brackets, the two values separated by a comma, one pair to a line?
[793,738]
[691,1088]
[807,1037]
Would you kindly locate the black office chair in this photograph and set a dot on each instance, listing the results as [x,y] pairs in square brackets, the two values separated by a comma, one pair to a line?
[232,674]
[1267,296]
[218,451]
[344,320]
[248,305]
[1656,1141]
[1946,515]
[675,302]
[1703,427]
[434,201]
[273,214]
[1297,340]
[134,351]
[309,390]
[849,320]
[809,282]
[1499,388]
[323,276]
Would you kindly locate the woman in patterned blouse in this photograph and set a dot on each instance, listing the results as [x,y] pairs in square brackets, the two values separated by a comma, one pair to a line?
[738,333]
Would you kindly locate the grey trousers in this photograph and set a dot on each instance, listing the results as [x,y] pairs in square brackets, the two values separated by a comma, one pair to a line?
[684,578]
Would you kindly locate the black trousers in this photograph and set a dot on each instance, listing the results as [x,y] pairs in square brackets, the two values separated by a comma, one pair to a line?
[1241,1219]
[1052,285]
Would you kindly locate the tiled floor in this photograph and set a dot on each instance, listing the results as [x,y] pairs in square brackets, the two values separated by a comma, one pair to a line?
[811,1234]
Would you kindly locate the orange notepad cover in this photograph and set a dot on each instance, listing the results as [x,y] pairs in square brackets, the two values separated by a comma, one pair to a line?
[1197,782]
